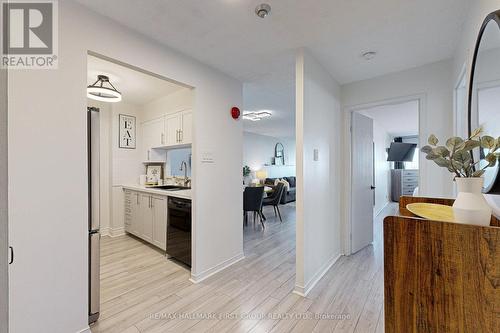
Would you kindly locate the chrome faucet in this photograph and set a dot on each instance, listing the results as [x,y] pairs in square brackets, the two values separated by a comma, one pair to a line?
[185,169]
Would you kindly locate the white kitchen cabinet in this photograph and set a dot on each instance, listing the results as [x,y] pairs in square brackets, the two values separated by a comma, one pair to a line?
[153,135]
[146,217]
[159,210]
[172,128]
[135,225]
[186,133]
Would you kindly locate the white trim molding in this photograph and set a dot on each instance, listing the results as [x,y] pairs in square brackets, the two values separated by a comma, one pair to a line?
[197,278]
[116,232]
[304,290]
[347,141]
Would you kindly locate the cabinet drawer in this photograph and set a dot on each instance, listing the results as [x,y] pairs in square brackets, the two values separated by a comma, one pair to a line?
[410,179]
[412,173]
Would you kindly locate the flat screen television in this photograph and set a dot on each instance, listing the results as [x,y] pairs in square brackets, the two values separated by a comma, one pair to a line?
[401,152]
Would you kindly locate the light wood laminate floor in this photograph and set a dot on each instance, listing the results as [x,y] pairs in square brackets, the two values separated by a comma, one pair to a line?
[142,291]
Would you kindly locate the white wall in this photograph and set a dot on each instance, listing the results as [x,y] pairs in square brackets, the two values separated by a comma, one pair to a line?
[258,151]
[382,141]
[318,126]
[48,203]
[432,81]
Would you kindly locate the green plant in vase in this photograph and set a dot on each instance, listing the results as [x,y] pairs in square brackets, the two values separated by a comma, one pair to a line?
[457,155]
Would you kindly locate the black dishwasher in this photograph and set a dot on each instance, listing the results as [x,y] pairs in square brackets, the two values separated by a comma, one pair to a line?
[179,230]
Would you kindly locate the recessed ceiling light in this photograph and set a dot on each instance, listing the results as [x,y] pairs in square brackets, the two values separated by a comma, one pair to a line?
[369,55]
[263,10]
[99,92]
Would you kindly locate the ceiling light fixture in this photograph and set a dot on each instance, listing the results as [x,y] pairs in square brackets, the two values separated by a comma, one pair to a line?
[99,92]
[262,10]
[256,116]
[369,55]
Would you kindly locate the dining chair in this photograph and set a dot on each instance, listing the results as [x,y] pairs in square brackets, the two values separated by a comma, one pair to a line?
[275,198]
[252,202]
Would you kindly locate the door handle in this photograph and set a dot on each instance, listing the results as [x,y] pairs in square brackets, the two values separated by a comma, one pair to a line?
[372,187]
[11,250]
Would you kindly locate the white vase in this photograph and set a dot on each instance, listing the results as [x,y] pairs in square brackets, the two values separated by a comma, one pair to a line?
[471,207]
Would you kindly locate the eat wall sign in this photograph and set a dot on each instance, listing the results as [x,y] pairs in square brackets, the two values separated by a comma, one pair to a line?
[127,138]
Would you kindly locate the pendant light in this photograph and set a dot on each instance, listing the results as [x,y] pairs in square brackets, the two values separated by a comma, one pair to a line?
[100,92]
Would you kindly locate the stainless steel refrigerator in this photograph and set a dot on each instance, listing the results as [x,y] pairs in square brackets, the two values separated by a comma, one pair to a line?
[93,202]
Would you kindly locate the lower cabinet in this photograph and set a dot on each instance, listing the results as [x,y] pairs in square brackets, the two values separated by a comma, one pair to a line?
[146,217]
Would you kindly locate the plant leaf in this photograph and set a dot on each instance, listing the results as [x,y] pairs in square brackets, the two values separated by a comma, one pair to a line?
[432,156]
[426,149]
[433,140]
[476,133]
[441,151]
[463,157]
[478,173]
[488,142]
[442,162]
[454,143]
[492,159]
[471,144]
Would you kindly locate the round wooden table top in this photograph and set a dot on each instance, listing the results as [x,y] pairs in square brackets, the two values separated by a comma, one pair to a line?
[432,211]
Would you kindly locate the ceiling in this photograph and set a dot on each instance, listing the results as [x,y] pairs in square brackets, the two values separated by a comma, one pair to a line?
[397,119]
[136,87]
[227,35]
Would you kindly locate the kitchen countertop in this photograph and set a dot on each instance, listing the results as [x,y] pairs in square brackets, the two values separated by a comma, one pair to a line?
[184,194]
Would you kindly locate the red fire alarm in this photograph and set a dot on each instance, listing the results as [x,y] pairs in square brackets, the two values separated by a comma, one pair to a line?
[235,112]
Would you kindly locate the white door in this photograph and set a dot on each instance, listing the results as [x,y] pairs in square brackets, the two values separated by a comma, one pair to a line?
[362,198]
[172,129]
[186,130]
[160,221]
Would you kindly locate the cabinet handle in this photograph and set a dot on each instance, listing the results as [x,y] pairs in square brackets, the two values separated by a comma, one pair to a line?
[11,249]
[152,203]
[137,194]
[177,136]
[181,135]
[162,138]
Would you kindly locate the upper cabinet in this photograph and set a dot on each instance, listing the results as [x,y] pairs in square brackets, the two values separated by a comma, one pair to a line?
[174,129]
[186,133]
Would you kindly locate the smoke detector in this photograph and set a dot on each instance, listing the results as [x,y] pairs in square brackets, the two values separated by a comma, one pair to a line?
[369,55]
[262,10]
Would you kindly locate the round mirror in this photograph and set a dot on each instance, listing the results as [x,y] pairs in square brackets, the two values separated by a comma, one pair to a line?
[484,94]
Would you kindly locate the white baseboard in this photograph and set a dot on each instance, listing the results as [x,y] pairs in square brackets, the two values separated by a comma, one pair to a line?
[105,231]
[381,209]
[197,278]
[115,232]
[304,290]
[85,330]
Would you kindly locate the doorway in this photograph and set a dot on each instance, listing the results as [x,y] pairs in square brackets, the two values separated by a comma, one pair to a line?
[384,164]
[140,148]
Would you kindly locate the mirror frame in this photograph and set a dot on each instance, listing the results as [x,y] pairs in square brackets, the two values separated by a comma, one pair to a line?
[494,187]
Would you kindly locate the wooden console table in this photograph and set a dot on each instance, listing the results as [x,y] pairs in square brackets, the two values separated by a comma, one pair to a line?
[439,276]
